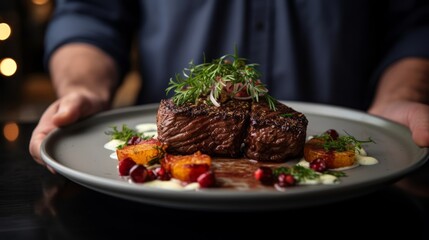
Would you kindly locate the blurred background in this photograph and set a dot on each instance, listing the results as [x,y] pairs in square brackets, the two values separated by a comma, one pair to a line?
[25,87]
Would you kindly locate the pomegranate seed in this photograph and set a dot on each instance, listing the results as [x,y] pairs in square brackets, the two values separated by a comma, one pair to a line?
[162,174]
[286,180]
[151,175]
[264,175]
[139,174]
[134,140]
[125,165]
[333,133]
[207,179]
[318,165]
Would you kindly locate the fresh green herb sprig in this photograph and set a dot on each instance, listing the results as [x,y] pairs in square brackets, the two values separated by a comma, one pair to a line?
[342,143]
[157,159]
[228,75]
[301,173]
[124,134]
[286,115]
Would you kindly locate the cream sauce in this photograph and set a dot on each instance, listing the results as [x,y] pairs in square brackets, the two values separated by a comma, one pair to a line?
[150,129]
[172,184]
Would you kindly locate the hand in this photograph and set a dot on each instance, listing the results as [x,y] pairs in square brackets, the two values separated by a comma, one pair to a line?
[66,110]
[412,114]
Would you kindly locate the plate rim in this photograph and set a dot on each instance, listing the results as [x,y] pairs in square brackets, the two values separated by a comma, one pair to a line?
[95,182]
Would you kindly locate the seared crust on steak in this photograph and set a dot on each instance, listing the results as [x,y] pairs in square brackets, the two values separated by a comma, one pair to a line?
[275,135]
[217,131]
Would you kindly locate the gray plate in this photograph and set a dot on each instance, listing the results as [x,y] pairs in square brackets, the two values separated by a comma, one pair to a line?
[77,153]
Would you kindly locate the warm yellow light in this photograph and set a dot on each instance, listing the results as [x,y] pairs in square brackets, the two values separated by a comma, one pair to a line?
[40,2]
[11,131]
[8,67]
[5,31]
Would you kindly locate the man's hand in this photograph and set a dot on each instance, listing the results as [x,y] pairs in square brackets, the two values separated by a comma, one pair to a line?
[84,78]
[66,110]
[403,96]
[414,115]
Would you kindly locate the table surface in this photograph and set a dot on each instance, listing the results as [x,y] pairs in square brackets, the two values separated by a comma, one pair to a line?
[35,204]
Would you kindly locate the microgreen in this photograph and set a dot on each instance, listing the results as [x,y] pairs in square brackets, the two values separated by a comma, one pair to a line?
[301,173]
[124,134]
[342,143]
[228,76]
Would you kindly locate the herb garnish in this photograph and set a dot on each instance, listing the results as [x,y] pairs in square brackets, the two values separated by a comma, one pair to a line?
[286,115]
[125,134]
[301,173]
[226,77]
[157,159]
[342,143]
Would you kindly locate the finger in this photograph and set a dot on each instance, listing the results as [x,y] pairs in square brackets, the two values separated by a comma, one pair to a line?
[74,107]
[63,112]
[418,122]
[42,129]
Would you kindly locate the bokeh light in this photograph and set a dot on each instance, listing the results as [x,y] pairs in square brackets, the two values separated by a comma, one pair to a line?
[5,31]
[11,131]
[39,2]
[8,67]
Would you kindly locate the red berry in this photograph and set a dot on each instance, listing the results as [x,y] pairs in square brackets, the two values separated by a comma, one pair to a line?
[264,175]
[286,180]
[162,174]
[333,133]
[318,165]
[151,175]
[134,140]
[207,179]
[125,165]
[139,174]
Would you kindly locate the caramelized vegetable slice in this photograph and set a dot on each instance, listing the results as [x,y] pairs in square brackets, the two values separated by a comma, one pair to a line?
[187,168]
[313,149]
[146,152]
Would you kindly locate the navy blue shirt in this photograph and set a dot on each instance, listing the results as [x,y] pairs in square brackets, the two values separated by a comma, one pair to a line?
[317,51]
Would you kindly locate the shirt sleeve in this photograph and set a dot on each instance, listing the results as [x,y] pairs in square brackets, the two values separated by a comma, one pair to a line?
[407,32]
[106,24]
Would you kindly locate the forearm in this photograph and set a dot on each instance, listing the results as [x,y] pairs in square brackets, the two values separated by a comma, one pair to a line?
[83,68]
[406,80]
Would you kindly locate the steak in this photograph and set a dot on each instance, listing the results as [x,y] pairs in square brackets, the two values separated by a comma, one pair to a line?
[217,131]
[275,135]
[235,128]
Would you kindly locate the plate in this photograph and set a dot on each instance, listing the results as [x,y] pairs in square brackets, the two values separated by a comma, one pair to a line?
[77,152]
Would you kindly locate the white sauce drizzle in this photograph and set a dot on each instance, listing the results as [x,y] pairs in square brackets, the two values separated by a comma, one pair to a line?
[150,129]
[361,156]
[113,144]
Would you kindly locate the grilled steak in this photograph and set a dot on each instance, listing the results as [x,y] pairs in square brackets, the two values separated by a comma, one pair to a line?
[217,131]
[275,135]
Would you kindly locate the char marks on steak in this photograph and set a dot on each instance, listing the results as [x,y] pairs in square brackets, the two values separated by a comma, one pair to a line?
[275,135]
[217,131]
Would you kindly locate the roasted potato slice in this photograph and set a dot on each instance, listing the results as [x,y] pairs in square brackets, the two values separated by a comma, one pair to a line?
[143,152]
[314,149]
[187,168]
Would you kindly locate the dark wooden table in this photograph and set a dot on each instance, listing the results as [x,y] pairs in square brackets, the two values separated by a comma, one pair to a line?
[35,204]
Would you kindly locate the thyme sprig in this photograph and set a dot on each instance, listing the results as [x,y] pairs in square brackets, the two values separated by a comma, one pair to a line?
[342,143]
[228,76]
[124,134]
[301,173]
